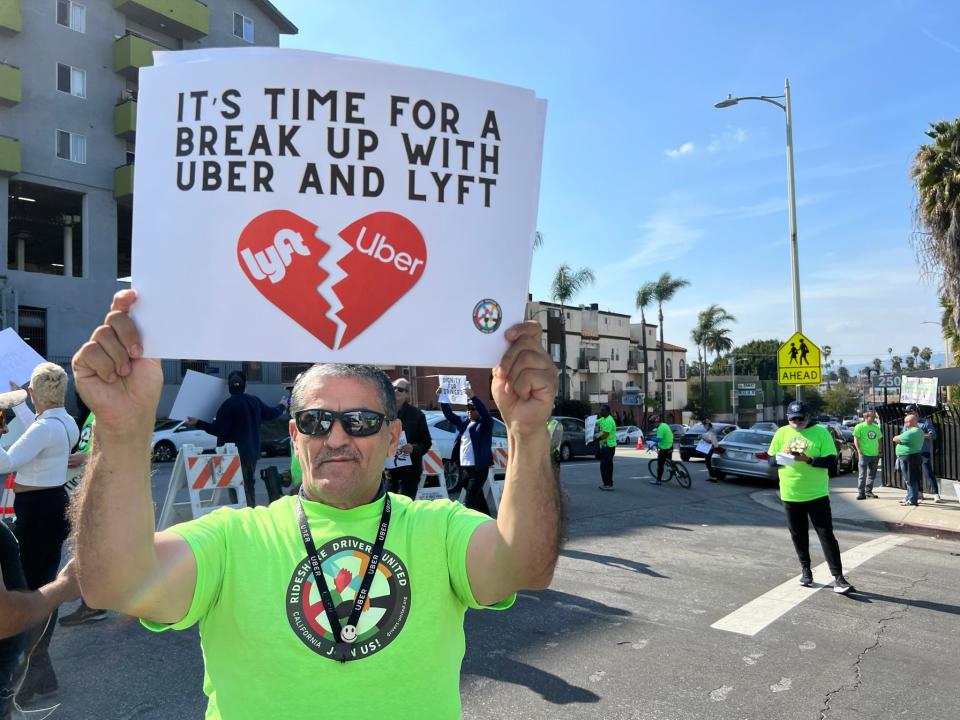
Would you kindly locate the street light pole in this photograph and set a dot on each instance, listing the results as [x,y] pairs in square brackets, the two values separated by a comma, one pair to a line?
[730,101]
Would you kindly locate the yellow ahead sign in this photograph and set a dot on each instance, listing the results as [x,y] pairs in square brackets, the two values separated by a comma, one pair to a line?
[798,362]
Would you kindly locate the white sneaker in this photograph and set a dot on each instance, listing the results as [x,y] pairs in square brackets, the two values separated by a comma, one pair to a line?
[936,499]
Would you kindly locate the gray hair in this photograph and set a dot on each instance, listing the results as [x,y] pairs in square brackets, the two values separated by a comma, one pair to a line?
[49,384]
[365,373]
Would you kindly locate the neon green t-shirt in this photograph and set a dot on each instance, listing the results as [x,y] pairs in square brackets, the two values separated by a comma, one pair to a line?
[802,482]
[609,426]
[86,435]
[258,608]
[869,435]
[664,436]
[911,442]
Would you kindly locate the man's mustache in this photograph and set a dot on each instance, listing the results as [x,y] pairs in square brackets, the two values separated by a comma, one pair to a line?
[340,455]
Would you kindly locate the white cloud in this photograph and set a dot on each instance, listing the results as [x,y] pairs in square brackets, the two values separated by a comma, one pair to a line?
[686,149]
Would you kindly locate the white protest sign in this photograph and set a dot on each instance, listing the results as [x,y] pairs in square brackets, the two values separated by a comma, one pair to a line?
[199,396]
[453,389]
[17,360]
[919,391]
[330,201]
[590,428]
[400,459]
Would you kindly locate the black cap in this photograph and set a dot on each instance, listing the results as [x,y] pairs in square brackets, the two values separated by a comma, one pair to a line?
[911,408]
[796,409]
[236,382]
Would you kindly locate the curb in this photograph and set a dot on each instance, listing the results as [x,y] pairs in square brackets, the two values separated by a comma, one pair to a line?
[770,500]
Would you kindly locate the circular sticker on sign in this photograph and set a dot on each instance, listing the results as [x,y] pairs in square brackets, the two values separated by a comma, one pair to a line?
[487,315]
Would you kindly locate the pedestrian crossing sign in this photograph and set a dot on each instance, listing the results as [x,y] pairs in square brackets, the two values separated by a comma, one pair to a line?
[798,362]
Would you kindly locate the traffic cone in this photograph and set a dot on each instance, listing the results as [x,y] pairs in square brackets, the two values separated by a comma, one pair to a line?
[640,442]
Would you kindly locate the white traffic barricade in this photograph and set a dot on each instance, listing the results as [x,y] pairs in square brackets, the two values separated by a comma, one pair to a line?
[432,467]
[6,498]
[205,478]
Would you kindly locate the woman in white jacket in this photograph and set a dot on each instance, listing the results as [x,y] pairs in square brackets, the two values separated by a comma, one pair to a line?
[39,458]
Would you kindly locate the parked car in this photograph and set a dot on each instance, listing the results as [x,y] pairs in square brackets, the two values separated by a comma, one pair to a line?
[170,435]
[846,432]
[574,440]
[688,441]
[852,422]
[629,435]
[444,436]
[765,426]
[744,452]
[847,457]
[678,430]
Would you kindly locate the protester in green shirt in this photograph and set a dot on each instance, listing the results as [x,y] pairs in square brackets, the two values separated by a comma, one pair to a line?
[909,461]
[806,456]
[343,601]
[866,437]
[664,437]
[607,441]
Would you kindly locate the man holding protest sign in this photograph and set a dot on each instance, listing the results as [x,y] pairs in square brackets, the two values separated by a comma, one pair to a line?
[256,580]
[473,447]
[405,479]
[238,421]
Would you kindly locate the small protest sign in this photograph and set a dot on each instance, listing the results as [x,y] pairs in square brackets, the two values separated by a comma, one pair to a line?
[590,428]
[199,396]
[400,458]
[453,389]
[17,360]
[332,201]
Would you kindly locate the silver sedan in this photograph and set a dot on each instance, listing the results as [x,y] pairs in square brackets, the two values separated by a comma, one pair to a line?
[744,452]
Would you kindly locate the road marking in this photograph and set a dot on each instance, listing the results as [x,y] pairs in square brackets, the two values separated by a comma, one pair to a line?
[757,614]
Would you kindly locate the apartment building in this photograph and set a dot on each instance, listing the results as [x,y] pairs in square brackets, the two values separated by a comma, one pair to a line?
[673,371]
[68,109]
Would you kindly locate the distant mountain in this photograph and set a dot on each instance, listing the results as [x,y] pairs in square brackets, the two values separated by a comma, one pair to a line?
[936,360]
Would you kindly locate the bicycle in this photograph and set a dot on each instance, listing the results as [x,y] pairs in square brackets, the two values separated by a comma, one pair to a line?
[671,469]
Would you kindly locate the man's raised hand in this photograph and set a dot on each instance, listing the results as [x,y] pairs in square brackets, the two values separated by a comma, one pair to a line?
[525,381]
[117,383]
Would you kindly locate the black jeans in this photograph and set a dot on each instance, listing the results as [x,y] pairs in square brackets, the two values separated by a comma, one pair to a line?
[606,465]
[12,649]
[473,479]
[249,470]
[662,457]
[41,529]
[709,461]
[819,513]
[405,481]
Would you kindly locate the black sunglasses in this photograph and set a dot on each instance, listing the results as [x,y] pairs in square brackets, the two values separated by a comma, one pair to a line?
[358,423]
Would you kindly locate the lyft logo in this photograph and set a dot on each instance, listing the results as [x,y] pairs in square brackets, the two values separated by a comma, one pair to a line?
[273,261]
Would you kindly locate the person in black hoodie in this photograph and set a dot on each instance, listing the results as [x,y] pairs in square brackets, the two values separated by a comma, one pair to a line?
[406,480]
[238,421]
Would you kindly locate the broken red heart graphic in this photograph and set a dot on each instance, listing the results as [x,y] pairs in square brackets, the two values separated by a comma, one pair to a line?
[334,289]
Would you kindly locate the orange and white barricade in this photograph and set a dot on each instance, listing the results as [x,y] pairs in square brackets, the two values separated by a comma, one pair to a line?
[204,477]
[432,466]
[6,499]
[493,488]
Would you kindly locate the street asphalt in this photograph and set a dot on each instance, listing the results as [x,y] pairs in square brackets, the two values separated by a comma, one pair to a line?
[625,629]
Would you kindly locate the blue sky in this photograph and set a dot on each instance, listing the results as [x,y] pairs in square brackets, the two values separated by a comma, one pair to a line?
[642,175]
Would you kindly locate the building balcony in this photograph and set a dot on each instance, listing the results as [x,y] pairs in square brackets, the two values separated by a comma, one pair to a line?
[11,19]
[9,155]
[132,52]
[186,19]
[123,182]
[125,120]
[11,84]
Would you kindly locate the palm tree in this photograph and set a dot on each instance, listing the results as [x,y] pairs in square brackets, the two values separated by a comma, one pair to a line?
[896,363]
[925,355]
[710,334]
[566,284]
[825,351]
[663,291]
[936,213]
[644,300]
[878,364]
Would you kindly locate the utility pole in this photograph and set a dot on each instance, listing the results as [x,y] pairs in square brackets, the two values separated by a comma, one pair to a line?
[733,386]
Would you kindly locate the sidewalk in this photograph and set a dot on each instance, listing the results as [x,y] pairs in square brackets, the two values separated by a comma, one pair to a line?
[885,513]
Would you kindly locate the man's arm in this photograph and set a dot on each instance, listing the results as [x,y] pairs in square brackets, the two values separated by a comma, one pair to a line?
[22,610]
[122,564]
[519,551]
[272,412]
[450,415]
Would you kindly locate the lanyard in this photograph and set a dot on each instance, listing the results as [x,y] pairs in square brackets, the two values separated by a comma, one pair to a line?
[346,634]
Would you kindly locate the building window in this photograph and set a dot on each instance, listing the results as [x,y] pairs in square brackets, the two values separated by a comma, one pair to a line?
[32,327]
[669,365]
[45,230]
[552,312]
[200,366]
[124,239]
[289,371]
[72,15]
[669,393]
[612,353]
[243,27]
[568,314]
[583,390]
[682,367]
[555,352]
[71,80]
[72,147]
[253,371]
